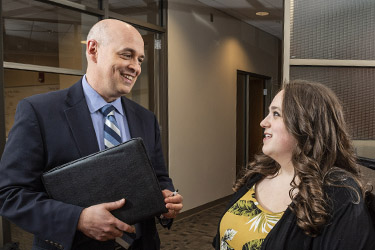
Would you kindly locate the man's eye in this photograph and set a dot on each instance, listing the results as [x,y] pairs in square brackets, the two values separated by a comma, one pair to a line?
[140,60]
[127,56]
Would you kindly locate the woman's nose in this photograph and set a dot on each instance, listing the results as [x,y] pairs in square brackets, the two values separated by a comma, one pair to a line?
[264,123]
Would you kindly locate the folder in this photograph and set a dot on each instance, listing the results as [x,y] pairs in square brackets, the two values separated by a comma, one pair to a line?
[123,171]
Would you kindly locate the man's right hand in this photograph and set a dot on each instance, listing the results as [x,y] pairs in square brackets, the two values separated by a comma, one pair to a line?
[98,223]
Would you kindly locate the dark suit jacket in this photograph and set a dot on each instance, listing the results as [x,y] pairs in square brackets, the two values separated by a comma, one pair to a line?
[52,129]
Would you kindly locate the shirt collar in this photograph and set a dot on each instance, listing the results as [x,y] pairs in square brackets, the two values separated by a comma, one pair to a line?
[95,101]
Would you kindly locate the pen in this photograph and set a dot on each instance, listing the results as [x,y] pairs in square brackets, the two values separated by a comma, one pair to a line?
[175,192]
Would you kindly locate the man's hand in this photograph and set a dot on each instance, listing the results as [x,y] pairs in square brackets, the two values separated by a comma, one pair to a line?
[173,203]
[98,223]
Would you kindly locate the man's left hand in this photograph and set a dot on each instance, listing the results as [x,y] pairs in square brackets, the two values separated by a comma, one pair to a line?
[173,203]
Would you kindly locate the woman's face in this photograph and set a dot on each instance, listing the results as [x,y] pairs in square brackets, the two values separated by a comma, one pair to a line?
[278,143]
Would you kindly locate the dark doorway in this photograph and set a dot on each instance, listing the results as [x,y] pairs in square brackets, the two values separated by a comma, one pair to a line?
[251,92]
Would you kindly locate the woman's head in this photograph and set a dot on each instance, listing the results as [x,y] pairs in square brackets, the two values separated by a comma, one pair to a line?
[306,126]
[313,115]
[306,119]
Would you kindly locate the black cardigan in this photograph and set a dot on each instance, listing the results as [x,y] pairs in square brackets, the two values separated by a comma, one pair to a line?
[350,228]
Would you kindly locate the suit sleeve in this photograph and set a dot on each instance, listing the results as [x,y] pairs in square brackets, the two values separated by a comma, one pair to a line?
[23,199]
[157,160]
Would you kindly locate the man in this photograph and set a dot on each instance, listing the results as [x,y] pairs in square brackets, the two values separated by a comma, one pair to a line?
[54,128]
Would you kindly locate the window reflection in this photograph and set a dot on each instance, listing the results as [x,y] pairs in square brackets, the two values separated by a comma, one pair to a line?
[19,84]
[42,34]
[89,3]
[142,10]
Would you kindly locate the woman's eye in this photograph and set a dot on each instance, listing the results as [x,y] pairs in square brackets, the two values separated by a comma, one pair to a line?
[275,113]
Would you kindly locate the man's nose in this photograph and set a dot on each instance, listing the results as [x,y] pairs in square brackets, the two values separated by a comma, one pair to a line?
[135,66]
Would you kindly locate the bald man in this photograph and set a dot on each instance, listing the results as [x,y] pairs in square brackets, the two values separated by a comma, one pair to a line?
[58,127]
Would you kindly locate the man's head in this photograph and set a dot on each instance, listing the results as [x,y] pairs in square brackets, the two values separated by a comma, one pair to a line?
[114,51]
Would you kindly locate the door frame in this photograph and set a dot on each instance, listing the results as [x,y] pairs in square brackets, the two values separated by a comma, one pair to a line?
[244,143]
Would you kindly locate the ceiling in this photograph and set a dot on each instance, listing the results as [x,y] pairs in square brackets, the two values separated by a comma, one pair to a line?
[245,10]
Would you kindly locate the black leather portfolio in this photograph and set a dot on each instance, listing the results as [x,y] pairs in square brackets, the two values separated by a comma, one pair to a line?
[123,171]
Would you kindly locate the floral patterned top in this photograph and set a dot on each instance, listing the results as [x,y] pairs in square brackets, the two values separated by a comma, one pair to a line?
[246,224]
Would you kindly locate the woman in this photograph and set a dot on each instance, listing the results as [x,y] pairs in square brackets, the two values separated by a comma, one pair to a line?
[304,191]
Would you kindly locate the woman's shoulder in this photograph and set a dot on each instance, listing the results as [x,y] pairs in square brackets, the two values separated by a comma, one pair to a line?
[245,187]
[252,180]
[342,190]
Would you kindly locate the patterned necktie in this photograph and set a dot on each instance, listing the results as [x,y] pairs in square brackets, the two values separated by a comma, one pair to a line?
[112,134]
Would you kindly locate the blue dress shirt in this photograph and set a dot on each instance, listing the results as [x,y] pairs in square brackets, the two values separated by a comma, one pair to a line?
[95,102]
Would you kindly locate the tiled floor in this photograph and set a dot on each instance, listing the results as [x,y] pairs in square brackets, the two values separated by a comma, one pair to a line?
[194,232]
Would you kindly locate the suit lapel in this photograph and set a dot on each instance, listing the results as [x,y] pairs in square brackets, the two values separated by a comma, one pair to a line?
[134,121]
[79,120]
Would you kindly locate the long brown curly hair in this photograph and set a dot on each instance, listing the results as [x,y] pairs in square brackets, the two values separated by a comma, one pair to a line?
[323,156]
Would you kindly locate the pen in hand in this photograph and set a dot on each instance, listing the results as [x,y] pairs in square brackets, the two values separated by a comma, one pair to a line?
[174,193]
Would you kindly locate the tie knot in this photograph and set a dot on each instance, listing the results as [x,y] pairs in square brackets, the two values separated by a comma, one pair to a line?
[107,110]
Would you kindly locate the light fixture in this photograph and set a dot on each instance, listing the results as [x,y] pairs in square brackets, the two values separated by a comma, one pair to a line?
[262,13]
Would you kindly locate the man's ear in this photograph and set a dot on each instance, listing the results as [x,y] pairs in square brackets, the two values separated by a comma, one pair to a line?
[92,50]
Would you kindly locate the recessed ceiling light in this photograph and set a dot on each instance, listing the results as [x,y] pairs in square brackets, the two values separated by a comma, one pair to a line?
[262,13]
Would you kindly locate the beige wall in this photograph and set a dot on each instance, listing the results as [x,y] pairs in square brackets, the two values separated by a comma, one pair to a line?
[203,59]
[365,148]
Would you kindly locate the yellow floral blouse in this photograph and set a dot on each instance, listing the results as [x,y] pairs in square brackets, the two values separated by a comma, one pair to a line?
[246,224]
